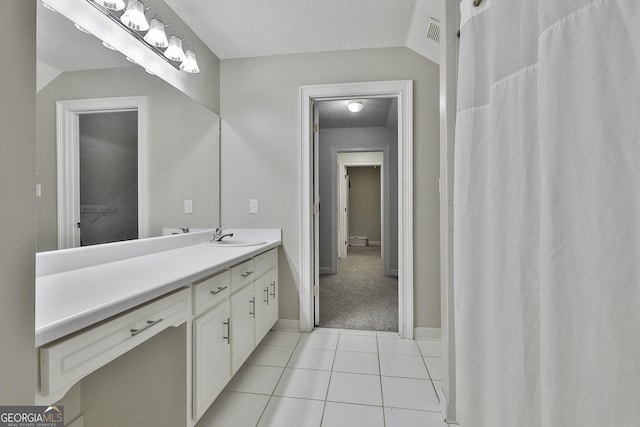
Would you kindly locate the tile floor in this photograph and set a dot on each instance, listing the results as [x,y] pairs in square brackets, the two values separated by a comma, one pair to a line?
[333,378]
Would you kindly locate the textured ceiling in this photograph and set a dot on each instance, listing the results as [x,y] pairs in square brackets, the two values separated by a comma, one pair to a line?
[249,28]
[376,112]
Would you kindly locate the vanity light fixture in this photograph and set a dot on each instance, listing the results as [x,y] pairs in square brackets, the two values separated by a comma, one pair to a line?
[355,106]
[174,52]
[82,29]
[133,17]
[190,65]
[133,21]
[112,4]
[156,35]
[108,46]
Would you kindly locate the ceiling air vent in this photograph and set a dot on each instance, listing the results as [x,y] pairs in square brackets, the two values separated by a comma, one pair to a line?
[433,30]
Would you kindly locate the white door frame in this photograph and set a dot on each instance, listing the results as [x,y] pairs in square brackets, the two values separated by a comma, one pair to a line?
[403,90]
[342,167]
[68,161]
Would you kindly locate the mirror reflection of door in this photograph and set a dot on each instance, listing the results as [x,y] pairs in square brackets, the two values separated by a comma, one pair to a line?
[108,167]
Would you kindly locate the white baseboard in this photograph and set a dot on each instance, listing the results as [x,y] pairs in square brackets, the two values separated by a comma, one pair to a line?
[422,333]
[375,243]
[78,422]
[393,272]
[287,325]
[325,270]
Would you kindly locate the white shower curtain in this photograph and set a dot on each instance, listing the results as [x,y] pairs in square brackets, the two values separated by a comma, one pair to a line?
[547,214]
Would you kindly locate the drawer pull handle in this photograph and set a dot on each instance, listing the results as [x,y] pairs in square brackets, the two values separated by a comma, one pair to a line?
[266,295]
[149,324]
[220,289]
[252,311]
[246,274]
[228,324]
[273,294]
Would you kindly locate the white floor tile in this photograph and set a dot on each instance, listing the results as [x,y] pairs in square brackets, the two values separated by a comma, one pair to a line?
[434,366]
[287,338]
[396,417]
[319,340]
[409,393]
[358,332]
[430,348]
[234,410]
[399,365]
[397,345]
[289,412]
[356,363]
[345,414]
[312,358]
[355,388]
[255,379]
[303,383]
[270,355]
[365,343]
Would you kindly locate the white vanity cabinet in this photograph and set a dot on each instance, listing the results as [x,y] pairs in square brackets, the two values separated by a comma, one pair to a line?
[212,357]
[65,362]
[211,346]
[243,314]
[266,288]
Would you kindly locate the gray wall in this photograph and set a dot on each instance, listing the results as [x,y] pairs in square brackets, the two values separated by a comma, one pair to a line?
[364,202]
[260,105]
[17,190]
[337,140]
[183,148]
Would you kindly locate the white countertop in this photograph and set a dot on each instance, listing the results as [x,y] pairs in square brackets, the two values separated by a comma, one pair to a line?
[76,288]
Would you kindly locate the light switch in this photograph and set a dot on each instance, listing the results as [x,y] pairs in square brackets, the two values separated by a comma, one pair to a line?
[253,206]
[38,190]
[188,206]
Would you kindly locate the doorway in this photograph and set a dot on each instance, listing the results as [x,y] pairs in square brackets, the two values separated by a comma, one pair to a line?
[310,240]
[85,201]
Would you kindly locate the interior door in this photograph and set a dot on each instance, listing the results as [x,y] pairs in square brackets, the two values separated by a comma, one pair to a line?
[316,215]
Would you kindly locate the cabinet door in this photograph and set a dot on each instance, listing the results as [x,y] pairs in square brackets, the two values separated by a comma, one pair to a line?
[243,309]
[211,367]
[272,316]
[263,305]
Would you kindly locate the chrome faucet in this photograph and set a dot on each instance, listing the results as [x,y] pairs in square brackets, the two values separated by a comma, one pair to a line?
[219,234]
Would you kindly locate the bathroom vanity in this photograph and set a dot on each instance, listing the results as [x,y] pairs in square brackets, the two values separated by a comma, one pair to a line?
[145,324]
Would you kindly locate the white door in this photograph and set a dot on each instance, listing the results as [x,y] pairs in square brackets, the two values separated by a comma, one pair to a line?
[316,214]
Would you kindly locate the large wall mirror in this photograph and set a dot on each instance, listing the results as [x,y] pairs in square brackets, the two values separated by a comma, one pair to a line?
[136,148]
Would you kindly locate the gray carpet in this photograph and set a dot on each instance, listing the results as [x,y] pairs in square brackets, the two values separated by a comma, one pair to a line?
[360,296]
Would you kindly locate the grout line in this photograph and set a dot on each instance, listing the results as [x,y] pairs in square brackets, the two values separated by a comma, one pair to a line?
[384,418]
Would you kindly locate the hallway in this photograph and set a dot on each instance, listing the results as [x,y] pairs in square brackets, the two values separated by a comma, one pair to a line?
[360,296]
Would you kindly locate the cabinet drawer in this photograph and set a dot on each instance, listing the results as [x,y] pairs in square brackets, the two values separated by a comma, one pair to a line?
[242,275]
[67,361]
[266,261]
[210,291]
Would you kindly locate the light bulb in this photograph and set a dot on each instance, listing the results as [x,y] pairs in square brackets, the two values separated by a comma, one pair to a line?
[190,65]
[355,106]
[133,17]
[156,35]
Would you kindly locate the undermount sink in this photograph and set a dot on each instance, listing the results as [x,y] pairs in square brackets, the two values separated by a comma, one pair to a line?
[233,243]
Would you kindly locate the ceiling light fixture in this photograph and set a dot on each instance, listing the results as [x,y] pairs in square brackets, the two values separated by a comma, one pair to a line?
[355,106]
[133,21]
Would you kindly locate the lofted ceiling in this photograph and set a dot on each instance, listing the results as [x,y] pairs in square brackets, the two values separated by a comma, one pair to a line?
[250,28]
